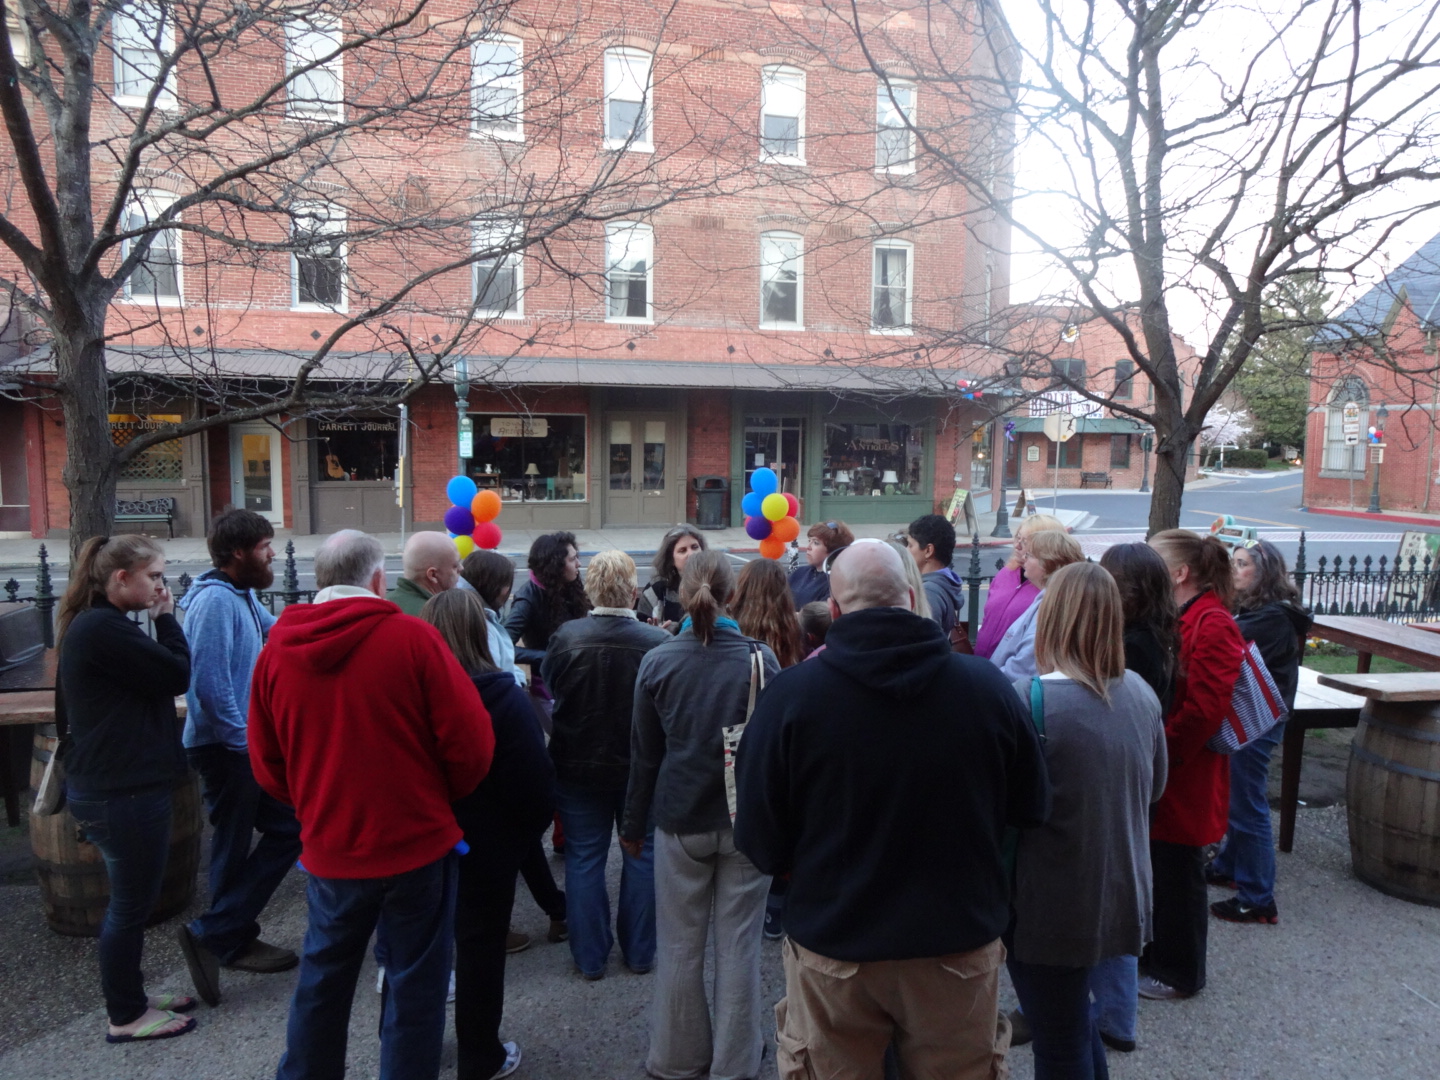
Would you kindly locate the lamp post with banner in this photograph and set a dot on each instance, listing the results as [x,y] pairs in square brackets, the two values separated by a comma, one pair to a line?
[1377,455]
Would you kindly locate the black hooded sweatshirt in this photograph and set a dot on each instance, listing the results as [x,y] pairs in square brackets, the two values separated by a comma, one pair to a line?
[881,776]
[1278,627]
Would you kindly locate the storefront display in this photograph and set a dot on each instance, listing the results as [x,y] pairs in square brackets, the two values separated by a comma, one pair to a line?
[873,459]
[530,457]
[357,449]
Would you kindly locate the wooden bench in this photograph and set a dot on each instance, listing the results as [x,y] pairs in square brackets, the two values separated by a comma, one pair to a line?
[162,509]
[1316,706]
[1095,479]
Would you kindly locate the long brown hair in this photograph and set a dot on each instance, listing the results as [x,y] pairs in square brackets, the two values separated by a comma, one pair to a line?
[1207,558]
[99,558]
[705,587]
[1079,630]
[459,615]
[765,609]
[663,568]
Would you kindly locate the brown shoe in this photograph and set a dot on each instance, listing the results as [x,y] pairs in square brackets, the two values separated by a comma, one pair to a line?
[516,942]
[263,959]
[558,931]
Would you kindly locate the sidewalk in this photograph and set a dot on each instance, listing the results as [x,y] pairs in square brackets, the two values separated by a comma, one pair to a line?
[1425,521]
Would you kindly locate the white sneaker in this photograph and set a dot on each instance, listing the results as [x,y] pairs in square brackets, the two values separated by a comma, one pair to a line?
[450,997]
[380,981]
[512,1061]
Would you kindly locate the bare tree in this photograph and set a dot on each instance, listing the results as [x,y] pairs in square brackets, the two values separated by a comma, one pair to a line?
[1202,155]
[372,162]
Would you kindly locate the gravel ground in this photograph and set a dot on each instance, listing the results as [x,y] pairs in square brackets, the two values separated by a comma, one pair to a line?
[1338,990]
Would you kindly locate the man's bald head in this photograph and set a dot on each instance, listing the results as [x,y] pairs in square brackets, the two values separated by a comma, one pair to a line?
[869,576]
[431,561]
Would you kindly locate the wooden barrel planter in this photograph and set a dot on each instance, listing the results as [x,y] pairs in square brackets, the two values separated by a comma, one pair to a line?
[73,885]
[1392,793]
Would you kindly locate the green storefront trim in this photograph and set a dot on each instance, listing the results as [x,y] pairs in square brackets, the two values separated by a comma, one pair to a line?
[818,409]
[1086,425]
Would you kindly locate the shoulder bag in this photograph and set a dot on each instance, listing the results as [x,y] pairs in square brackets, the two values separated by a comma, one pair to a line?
[50,795]
[1255,705]
[731,735]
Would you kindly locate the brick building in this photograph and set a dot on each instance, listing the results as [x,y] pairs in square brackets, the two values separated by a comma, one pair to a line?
[780,320]
[1380,353]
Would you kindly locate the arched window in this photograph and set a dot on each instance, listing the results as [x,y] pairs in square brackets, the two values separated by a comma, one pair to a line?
[1345,450]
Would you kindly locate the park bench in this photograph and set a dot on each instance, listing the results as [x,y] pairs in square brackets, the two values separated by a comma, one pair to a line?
[1095,479]
[162,509]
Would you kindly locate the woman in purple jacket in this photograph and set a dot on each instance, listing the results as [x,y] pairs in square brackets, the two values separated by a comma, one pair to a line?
[1010,594]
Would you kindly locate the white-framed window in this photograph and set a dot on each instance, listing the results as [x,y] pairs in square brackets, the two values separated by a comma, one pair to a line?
[143,37]
[629,269]
[894,139]
[499,276]
[497,87]
[890,287]
[317,264]
[629,100]
[157,277]
[319,92]
[781,281]
[782,114]
[1340,457]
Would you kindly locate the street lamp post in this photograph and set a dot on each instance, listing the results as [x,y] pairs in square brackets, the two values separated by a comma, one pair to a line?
[997,462]
[462,408]
[1147,443]
[1377,452]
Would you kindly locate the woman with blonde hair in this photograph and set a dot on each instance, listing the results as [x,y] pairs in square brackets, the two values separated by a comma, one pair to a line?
[1011,594]
[115,699]
[1045,553]
[1193,812]
[765,610]
[1082,880]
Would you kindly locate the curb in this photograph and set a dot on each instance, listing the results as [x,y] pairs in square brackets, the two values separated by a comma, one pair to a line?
[1401,519]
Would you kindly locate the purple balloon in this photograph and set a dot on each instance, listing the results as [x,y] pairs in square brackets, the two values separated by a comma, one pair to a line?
[758,528]
[459,520]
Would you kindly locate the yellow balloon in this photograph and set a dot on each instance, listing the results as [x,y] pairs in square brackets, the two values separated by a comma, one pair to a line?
[774,506]
[464,545]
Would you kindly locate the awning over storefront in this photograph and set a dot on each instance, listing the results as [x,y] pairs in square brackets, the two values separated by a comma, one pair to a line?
[1087,425]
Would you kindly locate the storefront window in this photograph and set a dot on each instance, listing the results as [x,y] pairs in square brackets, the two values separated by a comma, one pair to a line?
[356,449]
[776,442]
[163,461]
[980,443]
[873,459]
[531,457]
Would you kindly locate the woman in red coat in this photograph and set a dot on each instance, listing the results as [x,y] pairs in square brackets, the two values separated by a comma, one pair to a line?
[1193,811]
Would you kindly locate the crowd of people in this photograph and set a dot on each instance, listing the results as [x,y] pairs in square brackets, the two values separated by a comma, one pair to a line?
[828,760]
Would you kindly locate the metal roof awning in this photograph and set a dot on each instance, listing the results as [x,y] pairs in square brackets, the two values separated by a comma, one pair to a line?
[1088,425]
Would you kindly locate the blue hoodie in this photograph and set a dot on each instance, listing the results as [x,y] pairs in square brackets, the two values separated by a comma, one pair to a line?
[226,628]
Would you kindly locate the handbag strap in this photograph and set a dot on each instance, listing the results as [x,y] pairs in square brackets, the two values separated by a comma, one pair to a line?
[1037,706]
[62,720]
[757,677]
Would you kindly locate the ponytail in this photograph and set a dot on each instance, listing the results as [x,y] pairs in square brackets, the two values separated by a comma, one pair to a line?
[1207,558]
[705,587]
[100,557]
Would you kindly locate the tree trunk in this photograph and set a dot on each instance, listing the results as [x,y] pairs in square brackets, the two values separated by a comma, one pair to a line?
[90,470]
[1168,491]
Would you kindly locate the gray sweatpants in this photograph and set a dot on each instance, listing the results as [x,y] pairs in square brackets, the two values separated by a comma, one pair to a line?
[695,875]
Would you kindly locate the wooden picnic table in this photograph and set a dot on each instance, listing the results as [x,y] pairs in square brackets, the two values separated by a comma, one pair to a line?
[1432,627]
[1376,637]
[1316,706]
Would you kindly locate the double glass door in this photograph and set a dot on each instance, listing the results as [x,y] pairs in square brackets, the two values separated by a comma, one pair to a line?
[776,443]
[640,468]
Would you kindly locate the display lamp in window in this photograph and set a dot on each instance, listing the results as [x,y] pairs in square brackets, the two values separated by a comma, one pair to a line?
[470,521]
[771,515]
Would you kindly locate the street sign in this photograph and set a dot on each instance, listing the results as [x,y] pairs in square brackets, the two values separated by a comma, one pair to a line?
[1351,415]
[1377,453]
[1059,426]
[1352,438]
[467,438]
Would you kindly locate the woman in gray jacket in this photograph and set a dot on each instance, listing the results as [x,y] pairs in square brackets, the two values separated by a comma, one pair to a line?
[1082,880]
[688,691]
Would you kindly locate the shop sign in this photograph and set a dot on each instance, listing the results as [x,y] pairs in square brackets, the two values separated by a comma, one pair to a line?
[519,427]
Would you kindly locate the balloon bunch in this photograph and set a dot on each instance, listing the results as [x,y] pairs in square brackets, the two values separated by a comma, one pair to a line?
[470,521]
[770,515]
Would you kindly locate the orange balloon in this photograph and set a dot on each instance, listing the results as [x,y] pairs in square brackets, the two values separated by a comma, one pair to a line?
[486,505]
[772,548]
[785,530]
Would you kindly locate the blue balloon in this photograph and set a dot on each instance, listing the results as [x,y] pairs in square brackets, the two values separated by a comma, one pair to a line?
[460,490]
[758,528]
[765,482]
[750,504]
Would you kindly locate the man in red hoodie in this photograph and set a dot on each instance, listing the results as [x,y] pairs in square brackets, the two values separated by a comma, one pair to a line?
[363,721]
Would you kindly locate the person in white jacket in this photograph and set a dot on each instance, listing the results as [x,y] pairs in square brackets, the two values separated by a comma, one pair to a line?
[1046,553]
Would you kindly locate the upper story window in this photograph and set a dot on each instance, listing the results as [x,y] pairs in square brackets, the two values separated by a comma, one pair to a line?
[498,283]
[890,287]
[157,277]
[143,36]
[318,261]
[894,138]
[629,100]
[1071,369]
[1124,380]
[781,281]
[782,114]
[315,87]
[629,263]
[497,84]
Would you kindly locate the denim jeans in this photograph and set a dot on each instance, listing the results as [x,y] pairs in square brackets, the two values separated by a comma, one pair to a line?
[132,832]
[482,920]
[1115,993]
[1249,852]
[242,879]
[591,819]
[1181,923]
[1056,1001]
[415,915]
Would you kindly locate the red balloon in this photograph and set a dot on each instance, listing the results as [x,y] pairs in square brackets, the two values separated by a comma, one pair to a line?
[487,535]
[793,503]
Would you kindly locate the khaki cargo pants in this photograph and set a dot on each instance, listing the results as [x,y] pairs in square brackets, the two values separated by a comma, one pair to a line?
[837,1017]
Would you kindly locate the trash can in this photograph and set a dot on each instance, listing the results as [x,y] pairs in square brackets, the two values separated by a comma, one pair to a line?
[712,497]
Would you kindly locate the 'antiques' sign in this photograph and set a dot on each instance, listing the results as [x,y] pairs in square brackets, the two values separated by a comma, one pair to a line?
[519,427]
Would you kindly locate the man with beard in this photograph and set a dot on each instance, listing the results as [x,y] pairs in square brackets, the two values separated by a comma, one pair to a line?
[226,627]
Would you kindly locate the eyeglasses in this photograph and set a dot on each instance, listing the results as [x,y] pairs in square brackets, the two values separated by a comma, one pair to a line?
[899,537]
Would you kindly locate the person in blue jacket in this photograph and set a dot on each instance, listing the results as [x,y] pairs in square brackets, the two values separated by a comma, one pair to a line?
[226,627]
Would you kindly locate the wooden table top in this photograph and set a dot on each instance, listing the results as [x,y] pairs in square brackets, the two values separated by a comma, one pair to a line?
[1432,627]
[38,707]
[1381,638]
[1400,686]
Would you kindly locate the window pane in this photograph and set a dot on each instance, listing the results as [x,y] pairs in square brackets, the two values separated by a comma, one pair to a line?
[782,136]
[894,103]
[625,118]
[163,461]
[495,285]
[1119,451]
[891,282]
[1124,379]
[628,273]
[627,86]
[139,34]
[319,280]
[357,449]
[866,459]
[159,274]
[780,280]
[496,93]
[654,456]
[317,91]
[530,457]
[620,455]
